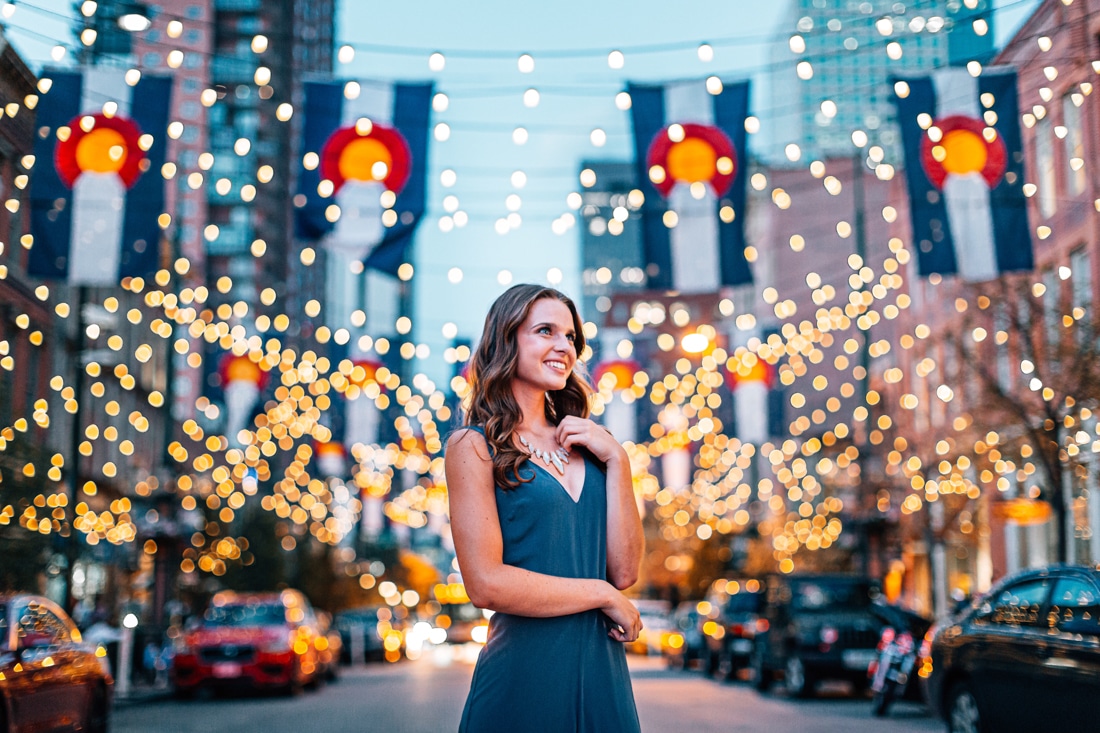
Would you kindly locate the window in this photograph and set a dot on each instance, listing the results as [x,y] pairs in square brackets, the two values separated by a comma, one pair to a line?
[1004,369]
[1016,605]
[40,627]
[1081,267]
[1052,319]
[1044,167]
[1075,607]
[1074,144]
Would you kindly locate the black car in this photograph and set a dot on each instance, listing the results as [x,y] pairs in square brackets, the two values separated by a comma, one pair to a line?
[1026,656]
[816,627]
[49,678]
[684,644]
[362,633]
[729,640]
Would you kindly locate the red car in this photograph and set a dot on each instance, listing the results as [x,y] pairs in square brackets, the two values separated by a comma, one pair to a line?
[49,679]
[265,641]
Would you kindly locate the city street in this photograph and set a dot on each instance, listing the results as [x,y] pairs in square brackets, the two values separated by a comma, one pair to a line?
[425,697]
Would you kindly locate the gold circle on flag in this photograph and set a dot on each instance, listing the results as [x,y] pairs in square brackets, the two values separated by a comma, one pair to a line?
[359,160]
[101,151]
[692,160]
[964,152]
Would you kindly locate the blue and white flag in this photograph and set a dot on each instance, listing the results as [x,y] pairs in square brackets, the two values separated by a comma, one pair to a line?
[964,165]
[365,152]
[97,189]
[689,143]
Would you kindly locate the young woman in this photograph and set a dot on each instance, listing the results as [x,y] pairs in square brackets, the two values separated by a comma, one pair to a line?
[545,527]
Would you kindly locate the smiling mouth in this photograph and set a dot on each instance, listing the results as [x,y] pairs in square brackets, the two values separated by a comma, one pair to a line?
[559,365]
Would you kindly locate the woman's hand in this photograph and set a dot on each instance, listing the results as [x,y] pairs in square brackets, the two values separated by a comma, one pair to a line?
[599,441]
[625,620]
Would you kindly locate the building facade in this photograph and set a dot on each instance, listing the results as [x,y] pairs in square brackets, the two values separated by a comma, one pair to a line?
[843,55]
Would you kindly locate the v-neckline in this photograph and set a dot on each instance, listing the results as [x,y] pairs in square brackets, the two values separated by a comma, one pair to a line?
[560,484]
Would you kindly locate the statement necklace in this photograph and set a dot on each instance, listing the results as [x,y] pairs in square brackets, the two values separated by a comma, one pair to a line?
[557,458]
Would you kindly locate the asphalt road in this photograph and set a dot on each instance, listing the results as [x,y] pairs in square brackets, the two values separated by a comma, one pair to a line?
[426,696]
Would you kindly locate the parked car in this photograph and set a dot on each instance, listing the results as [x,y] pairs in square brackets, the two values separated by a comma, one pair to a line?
[262,640]
[735,620]
[684,644]
[49,678]
[656,624]
[370,633]
[816,627]
[1025,657]
[330,649]
[463,622]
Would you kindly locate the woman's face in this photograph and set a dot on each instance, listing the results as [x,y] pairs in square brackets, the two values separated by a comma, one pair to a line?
[546,346]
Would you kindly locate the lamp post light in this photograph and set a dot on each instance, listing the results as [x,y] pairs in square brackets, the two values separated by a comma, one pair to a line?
[862,437]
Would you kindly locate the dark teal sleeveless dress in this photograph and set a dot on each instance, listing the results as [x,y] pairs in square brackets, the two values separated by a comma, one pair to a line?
[559,674]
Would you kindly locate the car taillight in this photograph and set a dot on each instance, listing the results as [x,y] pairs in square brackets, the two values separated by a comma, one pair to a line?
[737,629]
[925,654]
[829,635]
[762,625]
[886,638]
[926,643]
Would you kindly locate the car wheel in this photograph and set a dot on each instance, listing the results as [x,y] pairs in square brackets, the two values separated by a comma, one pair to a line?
[98,712]
[731,671]
[710,663]
[761,677]
[963,713]
[798,683]
[880,703]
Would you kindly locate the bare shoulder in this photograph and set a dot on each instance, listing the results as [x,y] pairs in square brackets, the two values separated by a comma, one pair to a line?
[467,450]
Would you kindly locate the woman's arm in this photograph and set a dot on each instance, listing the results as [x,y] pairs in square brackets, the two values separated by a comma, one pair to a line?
[490,583]
[625,541]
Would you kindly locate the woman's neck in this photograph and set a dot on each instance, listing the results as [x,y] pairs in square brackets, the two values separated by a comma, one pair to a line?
[532,407]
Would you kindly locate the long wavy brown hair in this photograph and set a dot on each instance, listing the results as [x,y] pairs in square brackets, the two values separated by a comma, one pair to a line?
[492,405]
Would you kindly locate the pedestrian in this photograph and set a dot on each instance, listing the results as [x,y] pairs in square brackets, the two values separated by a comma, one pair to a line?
[545,527]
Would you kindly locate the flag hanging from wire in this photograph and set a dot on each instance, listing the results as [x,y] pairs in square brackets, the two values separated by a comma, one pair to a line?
[363,178]
[689,145]
[97,188]
[964,166]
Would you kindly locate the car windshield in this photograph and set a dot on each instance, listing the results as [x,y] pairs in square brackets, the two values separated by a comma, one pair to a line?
[359,615]
[246,614]
[744,603]
[818,595]
[463,612]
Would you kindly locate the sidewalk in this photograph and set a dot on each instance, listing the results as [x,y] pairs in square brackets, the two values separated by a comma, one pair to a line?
[140,694]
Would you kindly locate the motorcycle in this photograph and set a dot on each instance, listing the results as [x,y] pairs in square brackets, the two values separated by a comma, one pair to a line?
[892,672]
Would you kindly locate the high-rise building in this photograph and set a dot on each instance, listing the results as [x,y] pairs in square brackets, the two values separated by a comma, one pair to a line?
[831,74]
[235,64]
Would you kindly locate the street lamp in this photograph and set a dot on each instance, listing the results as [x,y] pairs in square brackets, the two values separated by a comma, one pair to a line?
[134,22]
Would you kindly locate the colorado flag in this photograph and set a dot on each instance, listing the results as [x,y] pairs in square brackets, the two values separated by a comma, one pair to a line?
[97,188]
[365,150]
[964,167]
[689,143]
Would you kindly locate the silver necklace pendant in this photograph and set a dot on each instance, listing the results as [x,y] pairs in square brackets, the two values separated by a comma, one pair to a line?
[556,459]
